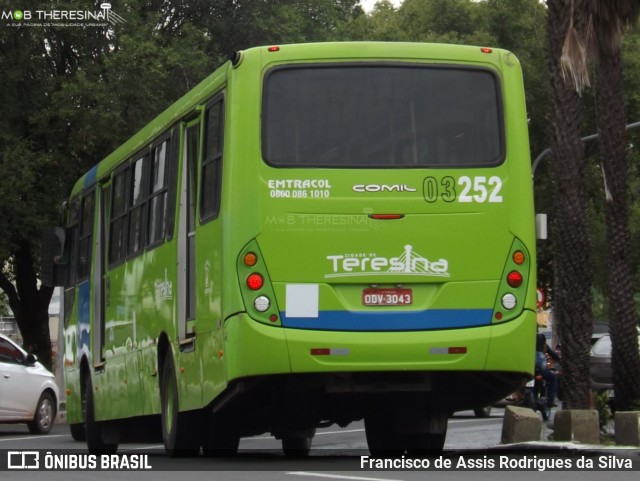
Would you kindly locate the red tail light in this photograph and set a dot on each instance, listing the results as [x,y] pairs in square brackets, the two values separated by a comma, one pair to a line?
[514,279]
[255,282]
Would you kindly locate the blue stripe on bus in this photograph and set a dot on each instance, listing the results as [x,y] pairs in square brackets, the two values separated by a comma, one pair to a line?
[391,321]
[90,177]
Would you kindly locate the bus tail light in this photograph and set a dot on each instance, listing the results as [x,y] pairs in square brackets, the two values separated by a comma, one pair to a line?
[513,288]
[386,216]
[514,279]
[255,281]
[257,291]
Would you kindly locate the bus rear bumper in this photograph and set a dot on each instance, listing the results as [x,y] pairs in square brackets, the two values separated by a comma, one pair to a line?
[336,375]
[253,349]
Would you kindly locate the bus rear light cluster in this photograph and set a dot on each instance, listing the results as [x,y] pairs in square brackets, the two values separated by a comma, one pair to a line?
[513,286]
[257,291]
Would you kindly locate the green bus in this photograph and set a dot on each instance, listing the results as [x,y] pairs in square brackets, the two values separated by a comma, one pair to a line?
[315,234]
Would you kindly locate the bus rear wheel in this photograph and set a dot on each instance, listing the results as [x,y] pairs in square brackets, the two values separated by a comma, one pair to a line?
[298,446]
[383,438]
[93,429]
[78,432]
[220,439]
[425,444]
[179,430]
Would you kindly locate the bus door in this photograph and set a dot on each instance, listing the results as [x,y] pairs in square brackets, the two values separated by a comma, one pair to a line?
[100,280]
[187,232]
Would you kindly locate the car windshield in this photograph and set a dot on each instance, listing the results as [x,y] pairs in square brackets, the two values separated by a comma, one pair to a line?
[9,351]
[602,347]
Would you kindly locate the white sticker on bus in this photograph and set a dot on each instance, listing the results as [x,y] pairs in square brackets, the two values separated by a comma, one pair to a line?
[369,264]
[465,189]
[302,300]
[299,188]
[480,189]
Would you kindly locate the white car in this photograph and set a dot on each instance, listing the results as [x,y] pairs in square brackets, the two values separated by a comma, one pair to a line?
[28,391]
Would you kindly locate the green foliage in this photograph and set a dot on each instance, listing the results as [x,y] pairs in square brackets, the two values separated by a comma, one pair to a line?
[4,304]
[71,95]
[605,416]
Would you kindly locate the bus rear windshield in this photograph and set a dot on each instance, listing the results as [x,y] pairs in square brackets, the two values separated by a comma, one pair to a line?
[382,116]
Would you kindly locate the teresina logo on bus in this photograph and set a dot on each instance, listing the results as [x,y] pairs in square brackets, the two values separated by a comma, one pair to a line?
[408,263]
[383,188]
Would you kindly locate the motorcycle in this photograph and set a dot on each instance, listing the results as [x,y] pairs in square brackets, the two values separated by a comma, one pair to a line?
[534,393]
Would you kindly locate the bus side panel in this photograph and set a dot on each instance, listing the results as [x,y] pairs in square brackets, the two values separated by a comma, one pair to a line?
[512,344]
[189,374]
[148,392]
[110,390]
[213,360]
[74,402]
[71,358]
[253,349]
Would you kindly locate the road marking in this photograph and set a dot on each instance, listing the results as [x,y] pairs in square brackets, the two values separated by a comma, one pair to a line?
[49,436]
[319,433]
[344,431]
[337,476]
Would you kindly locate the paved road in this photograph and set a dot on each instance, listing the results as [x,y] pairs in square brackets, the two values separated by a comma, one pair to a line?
[465,432]
[336,456]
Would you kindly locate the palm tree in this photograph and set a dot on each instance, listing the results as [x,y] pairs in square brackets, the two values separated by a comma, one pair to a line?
[571,244]
[608,20]
[602,26]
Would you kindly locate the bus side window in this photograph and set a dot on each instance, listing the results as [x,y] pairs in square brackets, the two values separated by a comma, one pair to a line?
[86,236]
[73,231]
[212,162]
[172,173]
[118,225]
[138,203]
[158,196]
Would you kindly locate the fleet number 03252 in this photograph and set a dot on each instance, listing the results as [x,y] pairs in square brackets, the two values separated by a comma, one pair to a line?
[465,189]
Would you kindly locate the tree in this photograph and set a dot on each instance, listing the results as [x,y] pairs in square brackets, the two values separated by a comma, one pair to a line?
[607,21]
[572,263]
[71,95]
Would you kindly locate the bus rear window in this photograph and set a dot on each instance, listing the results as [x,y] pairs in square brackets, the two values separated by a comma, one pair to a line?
[382,116]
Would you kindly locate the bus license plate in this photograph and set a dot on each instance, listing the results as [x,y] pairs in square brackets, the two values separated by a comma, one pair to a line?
[387,297]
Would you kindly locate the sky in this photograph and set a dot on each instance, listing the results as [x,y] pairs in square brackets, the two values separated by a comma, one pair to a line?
[368,5]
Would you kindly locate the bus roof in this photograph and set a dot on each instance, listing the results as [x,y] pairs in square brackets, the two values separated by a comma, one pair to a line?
[338,51]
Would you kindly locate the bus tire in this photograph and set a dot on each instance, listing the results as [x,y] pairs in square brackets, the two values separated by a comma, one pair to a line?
[93,430]
[425,444]
[383,438]
[179,430]
[298,446]
[483,412]
[77,432]
[220,439]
